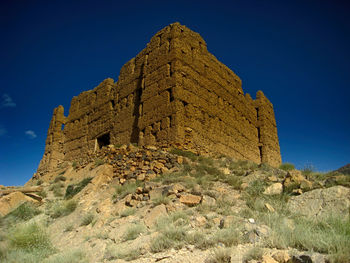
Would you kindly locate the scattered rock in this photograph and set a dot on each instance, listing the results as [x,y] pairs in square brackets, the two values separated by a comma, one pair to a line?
[281,256]
[209,201]
[270,207]
[295,179]
[274,189]
[190,199]
[200,221]
[251,220]
[300,259]
[268,259]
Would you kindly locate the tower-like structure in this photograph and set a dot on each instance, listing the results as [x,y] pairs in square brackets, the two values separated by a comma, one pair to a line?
[175,93]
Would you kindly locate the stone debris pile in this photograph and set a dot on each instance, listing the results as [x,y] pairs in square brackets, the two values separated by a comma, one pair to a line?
[132,163]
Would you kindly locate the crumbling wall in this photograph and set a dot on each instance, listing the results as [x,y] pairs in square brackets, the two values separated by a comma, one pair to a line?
[54,153]
[267,128]
[214,113]
[90,115]
[173,93]
[158,123]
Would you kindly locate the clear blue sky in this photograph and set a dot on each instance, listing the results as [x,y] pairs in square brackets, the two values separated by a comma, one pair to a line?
[297,52]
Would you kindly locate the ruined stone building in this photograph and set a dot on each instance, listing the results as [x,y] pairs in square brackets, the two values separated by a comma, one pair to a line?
[175,93]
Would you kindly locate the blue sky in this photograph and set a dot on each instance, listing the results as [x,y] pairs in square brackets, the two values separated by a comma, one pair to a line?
[297,52]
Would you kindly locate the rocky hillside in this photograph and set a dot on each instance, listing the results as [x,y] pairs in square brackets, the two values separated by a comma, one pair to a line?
[151,205]
[345,169]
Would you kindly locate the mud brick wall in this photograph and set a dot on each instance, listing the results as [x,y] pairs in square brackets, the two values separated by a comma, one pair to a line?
[90,115]
[173,93]
[270,149]
[219,117]
[54,155]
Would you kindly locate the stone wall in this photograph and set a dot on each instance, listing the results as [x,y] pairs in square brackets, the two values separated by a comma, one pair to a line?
[173,93]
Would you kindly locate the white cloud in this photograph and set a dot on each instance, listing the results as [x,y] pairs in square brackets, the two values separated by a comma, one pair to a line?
[7,101]
[31,134]
[2,131]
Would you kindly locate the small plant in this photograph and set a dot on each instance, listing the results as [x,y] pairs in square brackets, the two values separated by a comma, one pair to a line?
[222,255]
[161,243]
[57,192]
[39,182]
[57,185]
[68,228]
[60,178]
[99,162]
[87,219]
[255,253]
[74,165]
[256,188]
[69,256]
[287,166]
[42,194]
[229,236]
[63,209]
[188,154]
[308,169]
[127,212]
[123,190]
[171,236]
[200,240]
[120,253]
[133,232]
[234,181]
[24,212]
[29,236]
[161,200]
[56,188]
[73,189]
[102,235]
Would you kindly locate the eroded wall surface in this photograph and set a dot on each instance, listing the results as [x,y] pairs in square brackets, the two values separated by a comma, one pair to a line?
[173,93]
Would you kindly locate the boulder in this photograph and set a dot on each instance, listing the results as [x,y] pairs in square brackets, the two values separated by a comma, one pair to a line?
[12,201]
[209,201]
[322,202]
[274,189]
[152,215]
[190,200]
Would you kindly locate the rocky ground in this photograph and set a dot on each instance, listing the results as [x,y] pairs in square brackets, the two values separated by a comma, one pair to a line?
[149,205]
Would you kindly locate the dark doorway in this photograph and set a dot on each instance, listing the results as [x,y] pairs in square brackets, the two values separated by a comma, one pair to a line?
[260,151]
[103,140]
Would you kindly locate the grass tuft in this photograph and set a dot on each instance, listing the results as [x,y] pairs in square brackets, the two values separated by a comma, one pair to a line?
[133,231]
[24,212]
[188,154]
[254,253]
[123,190]
[63,209]
[222,255]
[87,219]
[99,162]
[161,200]
[29,237]
[287,166]
[60,178]
[127,212]
[73,189]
